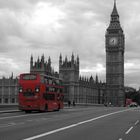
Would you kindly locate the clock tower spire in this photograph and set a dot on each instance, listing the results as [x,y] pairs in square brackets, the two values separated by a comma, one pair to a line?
[114,20]
[115,60]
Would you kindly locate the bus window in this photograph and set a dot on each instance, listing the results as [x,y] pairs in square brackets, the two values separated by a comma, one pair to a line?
[61,90]
[50,97]
[53,82]
[58,97]
[47,89]
[61,98]
[57,90]
[60,82]
[46,81]
[57,82]
[50,89]
[42,79]
[50,81]
[29,77]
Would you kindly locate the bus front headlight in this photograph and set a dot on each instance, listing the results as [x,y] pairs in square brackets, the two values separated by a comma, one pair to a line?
[20,90]
[37,89]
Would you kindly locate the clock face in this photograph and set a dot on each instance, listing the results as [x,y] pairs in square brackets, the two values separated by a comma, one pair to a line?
[113,41]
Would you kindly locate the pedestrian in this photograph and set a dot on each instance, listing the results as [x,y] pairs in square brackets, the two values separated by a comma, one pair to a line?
[73,103]
[69,103]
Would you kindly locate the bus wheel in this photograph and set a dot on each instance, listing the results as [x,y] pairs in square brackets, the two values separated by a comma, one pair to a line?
[58,108]
[46,107]
[27,111]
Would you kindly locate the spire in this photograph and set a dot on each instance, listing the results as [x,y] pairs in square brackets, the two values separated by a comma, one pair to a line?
[38,59]
[38,62]
[49,61]
[72,58]
[42,58]
[66,59]
[11,76]
[115,12]
[31,61]
[77,59]
[96,78]
[60,59]
[114,26]
[31,57]
[91,78]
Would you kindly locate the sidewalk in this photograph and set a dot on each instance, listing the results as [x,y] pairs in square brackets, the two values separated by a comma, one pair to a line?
[9,111]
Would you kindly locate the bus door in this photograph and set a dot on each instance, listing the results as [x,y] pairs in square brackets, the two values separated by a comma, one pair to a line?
[50,98]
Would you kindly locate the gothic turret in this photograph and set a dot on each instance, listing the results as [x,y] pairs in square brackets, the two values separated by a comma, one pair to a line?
[96,79]
[60,60]
[41,66]
[72,59]
[49,61]
[71,67]
[31,62]
[78,63]
[42,58]
[71,64]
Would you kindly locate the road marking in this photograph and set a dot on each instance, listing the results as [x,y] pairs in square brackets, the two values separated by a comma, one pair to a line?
[136,122]
[7,125]
[129,130]
[5,111]
[120,138]
[21,123]
[74,125]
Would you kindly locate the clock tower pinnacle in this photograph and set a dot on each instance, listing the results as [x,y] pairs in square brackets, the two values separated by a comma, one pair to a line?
[115,60]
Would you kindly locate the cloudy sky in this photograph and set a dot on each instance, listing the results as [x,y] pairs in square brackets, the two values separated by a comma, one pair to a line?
[51,27]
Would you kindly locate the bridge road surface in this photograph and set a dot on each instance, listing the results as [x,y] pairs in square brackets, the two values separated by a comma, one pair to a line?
[86,123]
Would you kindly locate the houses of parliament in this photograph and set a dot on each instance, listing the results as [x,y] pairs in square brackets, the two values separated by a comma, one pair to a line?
[79,88]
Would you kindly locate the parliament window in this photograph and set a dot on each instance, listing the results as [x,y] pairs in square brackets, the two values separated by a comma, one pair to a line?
[13,100]
[6,100]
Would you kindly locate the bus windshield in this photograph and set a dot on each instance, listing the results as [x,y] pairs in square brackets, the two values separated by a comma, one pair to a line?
[29,77]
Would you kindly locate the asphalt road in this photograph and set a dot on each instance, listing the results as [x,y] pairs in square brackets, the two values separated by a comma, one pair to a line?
[86,123]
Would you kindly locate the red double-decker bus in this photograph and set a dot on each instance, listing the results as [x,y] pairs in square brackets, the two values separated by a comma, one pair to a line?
[40,92]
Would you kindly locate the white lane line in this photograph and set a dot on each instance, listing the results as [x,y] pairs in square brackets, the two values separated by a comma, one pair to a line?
[127,132]
[136,122]
[73,125]
[4,111]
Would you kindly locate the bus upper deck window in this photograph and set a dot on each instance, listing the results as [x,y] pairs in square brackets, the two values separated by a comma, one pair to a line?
[47,89]
[42,79]
[29,77]
[50,81]
[61,90]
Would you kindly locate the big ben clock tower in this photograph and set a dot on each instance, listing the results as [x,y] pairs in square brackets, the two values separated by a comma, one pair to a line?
[115,45]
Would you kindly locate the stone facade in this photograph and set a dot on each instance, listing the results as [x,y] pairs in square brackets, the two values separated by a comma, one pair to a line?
[8,90]
[79,89]
[115,60]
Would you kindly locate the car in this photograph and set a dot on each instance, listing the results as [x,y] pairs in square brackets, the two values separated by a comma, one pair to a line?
[133,104]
